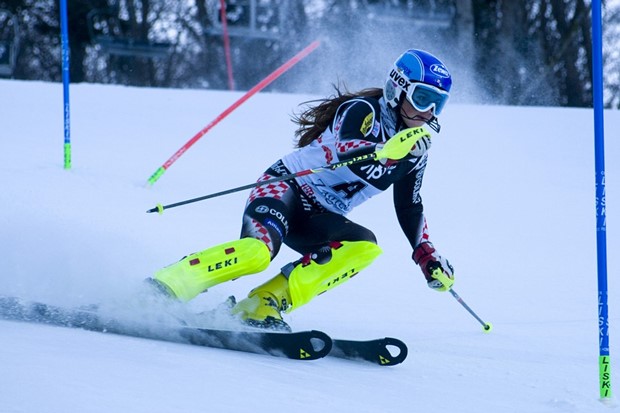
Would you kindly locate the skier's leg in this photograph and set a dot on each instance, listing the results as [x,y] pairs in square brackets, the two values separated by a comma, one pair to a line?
[332,266]
[197,272]
[329,265]
[265,224]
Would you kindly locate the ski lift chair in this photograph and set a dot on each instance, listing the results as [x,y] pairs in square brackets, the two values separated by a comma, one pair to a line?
[106,30]
[251,19]
[438,14]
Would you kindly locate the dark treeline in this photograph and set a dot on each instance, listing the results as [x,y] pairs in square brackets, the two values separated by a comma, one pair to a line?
[529,52]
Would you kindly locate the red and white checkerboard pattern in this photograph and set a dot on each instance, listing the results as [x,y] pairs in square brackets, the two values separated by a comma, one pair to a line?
[260,233]
[275,190]
[352,144]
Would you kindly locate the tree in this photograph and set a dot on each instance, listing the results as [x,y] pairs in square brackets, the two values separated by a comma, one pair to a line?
[529,52]
[611,55]
[38,56]
[79,35]
[535,52]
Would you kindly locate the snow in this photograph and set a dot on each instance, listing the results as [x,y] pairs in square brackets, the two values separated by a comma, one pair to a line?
[509,196]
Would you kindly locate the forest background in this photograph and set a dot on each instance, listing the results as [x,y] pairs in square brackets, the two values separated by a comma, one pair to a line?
[530,52]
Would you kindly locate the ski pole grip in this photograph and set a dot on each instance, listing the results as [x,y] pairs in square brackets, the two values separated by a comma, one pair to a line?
[439,275]
[400,144]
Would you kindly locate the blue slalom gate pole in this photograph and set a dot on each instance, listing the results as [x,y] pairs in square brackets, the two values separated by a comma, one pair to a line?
[64,40]
[601,224]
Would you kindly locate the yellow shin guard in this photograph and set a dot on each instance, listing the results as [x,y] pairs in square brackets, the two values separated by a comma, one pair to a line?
[307,281]
[202,270]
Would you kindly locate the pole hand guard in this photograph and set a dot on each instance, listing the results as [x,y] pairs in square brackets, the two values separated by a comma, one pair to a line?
[400,144]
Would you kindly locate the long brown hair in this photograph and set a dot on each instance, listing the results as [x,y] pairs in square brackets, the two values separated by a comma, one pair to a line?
[314,120]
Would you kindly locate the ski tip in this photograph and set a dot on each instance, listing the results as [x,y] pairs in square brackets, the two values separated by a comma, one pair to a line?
[386,351]
[319,345]
[393,352]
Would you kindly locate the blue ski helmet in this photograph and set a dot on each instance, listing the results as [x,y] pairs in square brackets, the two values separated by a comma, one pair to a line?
[421,78]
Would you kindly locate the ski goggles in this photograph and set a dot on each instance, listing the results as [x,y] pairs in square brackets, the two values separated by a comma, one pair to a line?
[424,97]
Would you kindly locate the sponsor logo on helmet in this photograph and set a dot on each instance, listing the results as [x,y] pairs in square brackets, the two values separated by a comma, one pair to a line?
[440,70]
[400,80]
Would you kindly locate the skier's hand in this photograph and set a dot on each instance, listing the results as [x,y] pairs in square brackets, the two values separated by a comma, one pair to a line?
[437,270]
[399,145]
[421,146]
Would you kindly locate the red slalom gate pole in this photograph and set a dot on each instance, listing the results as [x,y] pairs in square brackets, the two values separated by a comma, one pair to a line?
[261,85]
[223,17]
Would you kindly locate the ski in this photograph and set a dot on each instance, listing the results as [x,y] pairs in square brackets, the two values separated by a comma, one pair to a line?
[302,345]
[379,351]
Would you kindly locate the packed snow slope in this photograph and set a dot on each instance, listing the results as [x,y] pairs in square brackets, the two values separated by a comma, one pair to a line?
[509,198]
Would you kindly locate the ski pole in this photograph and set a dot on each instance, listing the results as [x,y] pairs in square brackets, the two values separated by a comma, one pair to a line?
[487,327]
[395,148]
[438,274]
[160,208]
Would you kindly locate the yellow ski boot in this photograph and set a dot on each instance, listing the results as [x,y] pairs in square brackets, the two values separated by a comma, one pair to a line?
[264,305]
[301,281]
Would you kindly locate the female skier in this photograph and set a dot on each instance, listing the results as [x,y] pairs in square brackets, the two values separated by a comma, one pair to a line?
[308,213]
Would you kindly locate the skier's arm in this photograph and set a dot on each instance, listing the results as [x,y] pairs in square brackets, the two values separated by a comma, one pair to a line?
[408,204]
[356,130]
[358,133]
[410,214]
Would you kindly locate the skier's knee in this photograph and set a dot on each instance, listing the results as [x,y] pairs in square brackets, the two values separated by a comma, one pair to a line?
[266,220]
[329,267]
